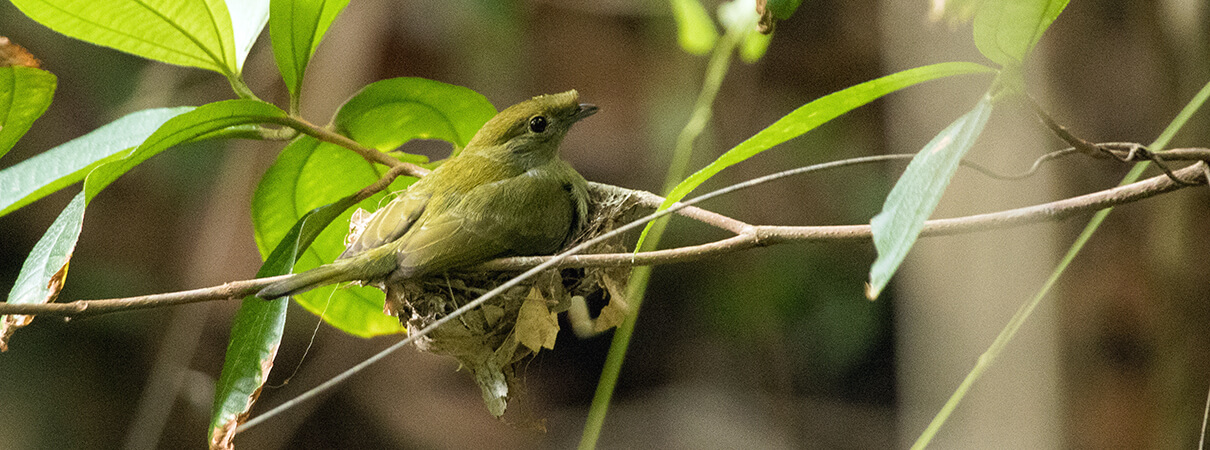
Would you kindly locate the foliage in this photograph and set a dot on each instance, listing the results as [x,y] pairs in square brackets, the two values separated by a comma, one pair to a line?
[298,197]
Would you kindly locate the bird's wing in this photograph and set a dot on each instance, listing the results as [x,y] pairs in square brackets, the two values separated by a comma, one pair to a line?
[389,222]
[521,215]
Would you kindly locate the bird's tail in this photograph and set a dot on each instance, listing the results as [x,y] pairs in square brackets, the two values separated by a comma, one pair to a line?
[311,279]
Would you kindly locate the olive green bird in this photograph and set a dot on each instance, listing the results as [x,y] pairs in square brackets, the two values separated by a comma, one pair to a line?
[506,194]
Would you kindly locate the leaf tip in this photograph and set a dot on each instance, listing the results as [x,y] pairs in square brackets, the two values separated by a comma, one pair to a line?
[9,325]
[871,292]
[224,435]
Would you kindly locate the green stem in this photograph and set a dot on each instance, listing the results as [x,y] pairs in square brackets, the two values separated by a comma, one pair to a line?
[1028,307]
[241,89]
[716,71]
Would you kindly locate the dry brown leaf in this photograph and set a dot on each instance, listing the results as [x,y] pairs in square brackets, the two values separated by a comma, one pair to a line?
[11,323]
[14,55]
[536,327]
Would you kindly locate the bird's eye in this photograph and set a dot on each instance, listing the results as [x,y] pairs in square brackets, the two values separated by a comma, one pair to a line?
[537,124]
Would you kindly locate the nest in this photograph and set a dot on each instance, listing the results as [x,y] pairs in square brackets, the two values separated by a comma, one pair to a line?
[492,340]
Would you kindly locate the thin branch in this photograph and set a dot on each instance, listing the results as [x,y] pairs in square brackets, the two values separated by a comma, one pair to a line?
[652,201]
[82,308]
[383,181]
[228,291]
[371,155]
[764,235]
[1028,172]
[1125,152]
[747,236]
[1081,145]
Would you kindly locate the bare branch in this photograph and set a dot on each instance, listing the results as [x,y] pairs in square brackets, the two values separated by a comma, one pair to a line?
[82,308]
[652,201]
[764,235]
[228,291]
[747,236]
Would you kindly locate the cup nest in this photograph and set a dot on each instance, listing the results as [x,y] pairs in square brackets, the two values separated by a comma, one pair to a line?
[492,340]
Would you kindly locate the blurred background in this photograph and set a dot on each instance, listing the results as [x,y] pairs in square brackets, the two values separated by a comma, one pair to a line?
[769,348]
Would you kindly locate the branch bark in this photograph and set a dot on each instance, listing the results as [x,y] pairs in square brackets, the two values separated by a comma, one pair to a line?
[747,237]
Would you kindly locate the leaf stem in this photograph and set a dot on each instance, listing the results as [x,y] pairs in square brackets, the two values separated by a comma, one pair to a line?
[241,89]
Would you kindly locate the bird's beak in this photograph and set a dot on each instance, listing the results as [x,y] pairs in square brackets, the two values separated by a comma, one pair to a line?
[585,110]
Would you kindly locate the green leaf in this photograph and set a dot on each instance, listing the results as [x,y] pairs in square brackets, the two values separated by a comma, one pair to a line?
[257,329]
[695,29]
[67,164]
[388,113]
[202,121]
[45,269]
[306,175]
[918,191]
[1007,30]
[754,46]
[248,18]
[296,29]
[194,33]
[812,115]
[782,9]
[25,92]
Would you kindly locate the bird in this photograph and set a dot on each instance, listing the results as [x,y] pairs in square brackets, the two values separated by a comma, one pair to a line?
[506,194]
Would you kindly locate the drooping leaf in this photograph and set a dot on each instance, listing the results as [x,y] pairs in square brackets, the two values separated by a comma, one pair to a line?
[1007,30]
[67,164]
[25,93]
[307,175]
[202,121]
[297,27]
[45,269]
[386,114]
[814,114]
[257,329]
[194,33]
[695,30]
[918,191]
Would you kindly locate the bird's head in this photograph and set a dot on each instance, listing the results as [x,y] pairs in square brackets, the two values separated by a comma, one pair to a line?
[531,131]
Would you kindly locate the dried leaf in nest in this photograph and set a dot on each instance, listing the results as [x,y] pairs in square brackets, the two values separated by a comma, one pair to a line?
[493,339]
[12,54]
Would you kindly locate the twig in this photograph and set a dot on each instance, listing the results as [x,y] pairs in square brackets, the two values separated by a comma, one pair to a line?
[82,308]
[765,235]
[371,155]
[233,290]
[1125,152]
[747,236]
[1083,146]
[1028,172]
